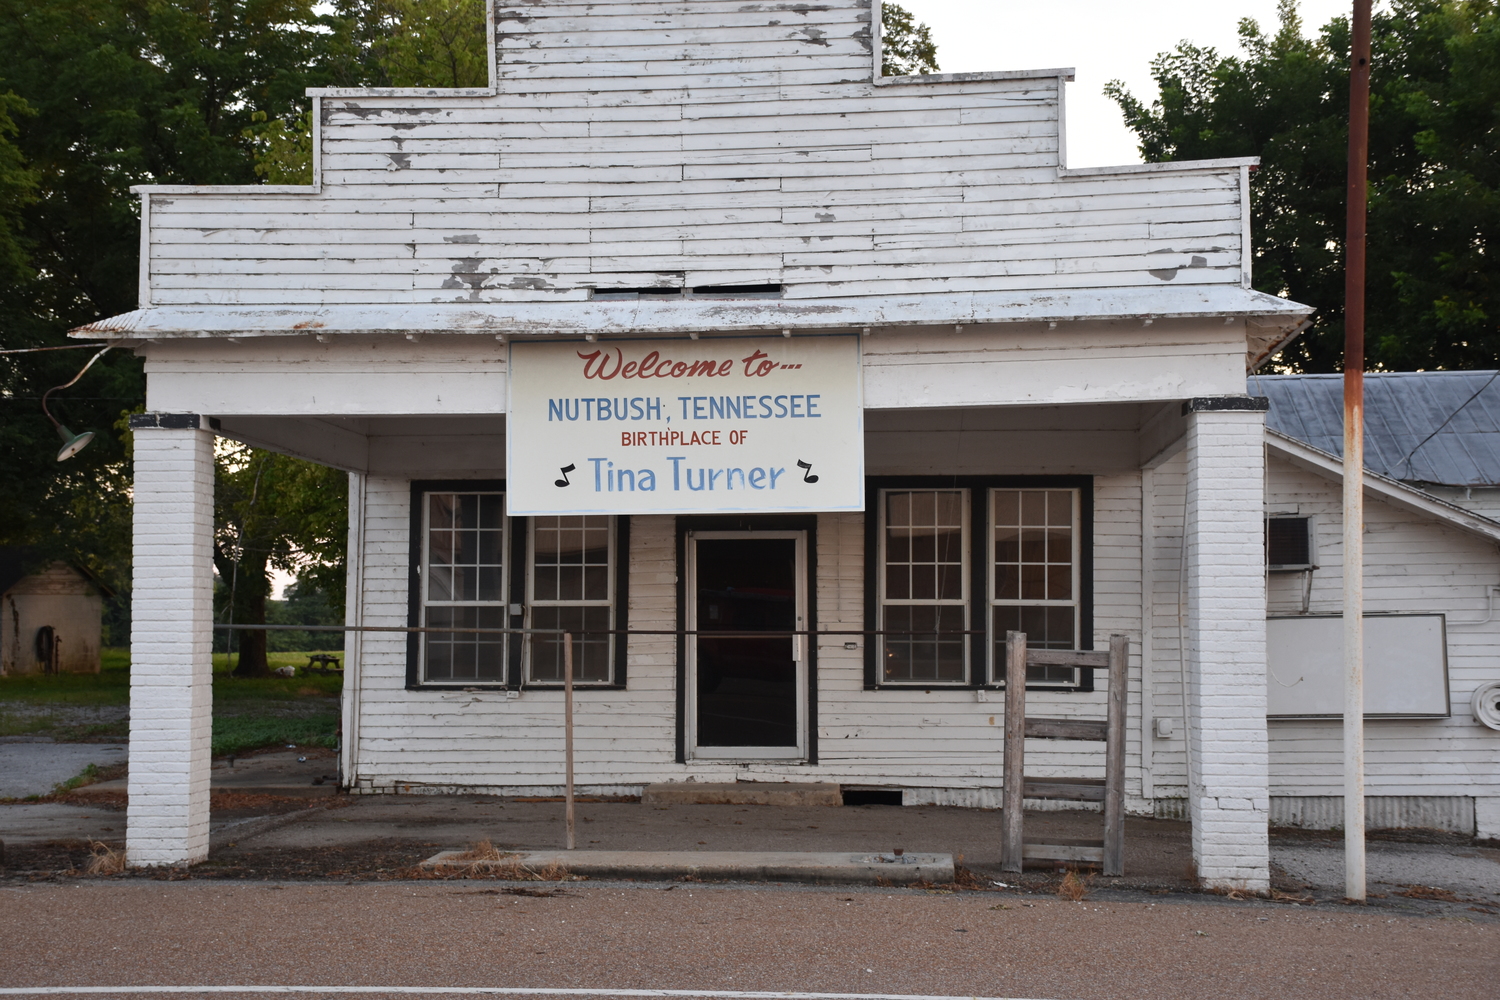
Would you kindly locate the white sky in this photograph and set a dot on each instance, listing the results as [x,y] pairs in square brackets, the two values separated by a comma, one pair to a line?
[1103,39]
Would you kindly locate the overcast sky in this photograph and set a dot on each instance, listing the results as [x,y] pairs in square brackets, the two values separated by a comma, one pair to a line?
[1103,39]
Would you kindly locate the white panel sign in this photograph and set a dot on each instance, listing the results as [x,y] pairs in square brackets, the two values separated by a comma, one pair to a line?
[1406,666]
[685,426]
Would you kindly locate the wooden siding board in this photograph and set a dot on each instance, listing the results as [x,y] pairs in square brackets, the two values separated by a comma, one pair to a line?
[629,131]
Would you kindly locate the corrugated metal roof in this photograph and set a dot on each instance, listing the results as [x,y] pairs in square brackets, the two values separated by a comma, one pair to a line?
[1421,427]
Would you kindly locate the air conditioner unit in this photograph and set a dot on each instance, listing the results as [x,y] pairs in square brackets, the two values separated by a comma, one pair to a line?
[1291,544]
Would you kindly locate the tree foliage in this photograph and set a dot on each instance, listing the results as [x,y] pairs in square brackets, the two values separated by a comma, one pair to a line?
[1434,171]
[274,511]
[906,45]
[420,43]
[96,97]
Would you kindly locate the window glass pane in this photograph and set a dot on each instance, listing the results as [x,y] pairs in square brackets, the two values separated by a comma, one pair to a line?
[950,543]
[465,656]
[492,511]
[590,650]
[571,564]
[897,582]
[930,651]
[1033,507]
[924,555]
[440,510]
[1033,572]
[465,566]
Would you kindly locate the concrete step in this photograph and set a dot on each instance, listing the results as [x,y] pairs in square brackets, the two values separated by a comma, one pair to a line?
[838,867]
[742,793]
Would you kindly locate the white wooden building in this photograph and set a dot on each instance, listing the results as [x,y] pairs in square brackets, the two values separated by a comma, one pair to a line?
[1048,367]
[1432,564]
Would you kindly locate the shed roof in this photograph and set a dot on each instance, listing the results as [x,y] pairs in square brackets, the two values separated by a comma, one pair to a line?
[1441,428]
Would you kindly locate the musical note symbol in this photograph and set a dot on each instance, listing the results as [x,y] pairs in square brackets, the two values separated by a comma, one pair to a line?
[564,470]
[807,477]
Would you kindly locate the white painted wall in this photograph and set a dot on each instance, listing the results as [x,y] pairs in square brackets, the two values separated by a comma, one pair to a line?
[352,379]
[942,745]
[643,143]
[1441,773]
[1412,564]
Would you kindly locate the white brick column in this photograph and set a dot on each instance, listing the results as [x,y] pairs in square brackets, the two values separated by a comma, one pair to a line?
[1228,791]
[171,636]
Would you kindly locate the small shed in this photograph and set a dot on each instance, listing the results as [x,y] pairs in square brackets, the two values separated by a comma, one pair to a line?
[52,617]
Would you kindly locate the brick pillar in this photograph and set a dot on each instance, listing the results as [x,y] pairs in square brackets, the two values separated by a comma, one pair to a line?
[1228,793]
[171,635]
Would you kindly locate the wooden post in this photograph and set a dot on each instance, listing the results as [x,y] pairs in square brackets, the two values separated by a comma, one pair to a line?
[568,729]
[1114,758]
[1015,750]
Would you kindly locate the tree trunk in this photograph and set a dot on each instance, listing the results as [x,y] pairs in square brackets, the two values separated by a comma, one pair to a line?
[250,586]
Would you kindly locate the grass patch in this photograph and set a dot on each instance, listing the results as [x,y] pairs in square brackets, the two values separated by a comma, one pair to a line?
[110,686]
[239,733]
[249,712]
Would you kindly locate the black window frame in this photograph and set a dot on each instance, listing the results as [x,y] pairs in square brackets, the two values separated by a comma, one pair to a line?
[517,536]
[981,675]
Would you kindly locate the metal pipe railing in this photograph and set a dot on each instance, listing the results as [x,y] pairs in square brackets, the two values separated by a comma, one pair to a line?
[711,633]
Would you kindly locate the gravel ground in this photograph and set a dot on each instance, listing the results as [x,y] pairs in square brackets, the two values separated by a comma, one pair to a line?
[697,937]
[35,767]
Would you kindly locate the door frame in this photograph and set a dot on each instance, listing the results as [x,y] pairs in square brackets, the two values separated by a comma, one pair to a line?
[802,526]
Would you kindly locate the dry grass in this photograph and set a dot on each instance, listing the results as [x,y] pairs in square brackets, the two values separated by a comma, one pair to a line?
[483,851]
[105,860]
[1073,888]
[1430,892]
[484,860]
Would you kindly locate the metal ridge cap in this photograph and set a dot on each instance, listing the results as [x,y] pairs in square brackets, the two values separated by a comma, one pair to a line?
[1084,305]
[1163,166]
[1063,72]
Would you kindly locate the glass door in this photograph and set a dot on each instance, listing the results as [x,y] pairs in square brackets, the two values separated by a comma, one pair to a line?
[747,695]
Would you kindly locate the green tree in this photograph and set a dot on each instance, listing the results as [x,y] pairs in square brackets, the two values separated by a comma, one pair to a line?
[97,97]
[1434,215]
[906,45]
[271,510]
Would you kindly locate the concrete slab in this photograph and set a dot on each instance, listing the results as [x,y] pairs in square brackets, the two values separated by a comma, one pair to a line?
[1471,871]
[741,866]
[742,793]
[292,773]
[36,767]
[45,822]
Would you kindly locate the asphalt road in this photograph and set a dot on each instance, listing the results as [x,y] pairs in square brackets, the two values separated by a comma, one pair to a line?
[697,937]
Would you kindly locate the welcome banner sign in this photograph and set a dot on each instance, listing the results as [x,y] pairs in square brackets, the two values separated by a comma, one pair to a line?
[721,425]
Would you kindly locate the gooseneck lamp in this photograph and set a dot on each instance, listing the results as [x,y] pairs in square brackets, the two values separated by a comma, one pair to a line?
[72,443]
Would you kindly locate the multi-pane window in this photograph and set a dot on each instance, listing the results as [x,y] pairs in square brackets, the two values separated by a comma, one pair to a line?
[923,586]
[572,589]
[1034,566]
[463,586]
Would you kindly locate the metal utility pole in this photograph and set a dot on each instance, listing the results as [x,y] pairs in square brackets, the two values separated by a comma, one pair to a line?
[1354,456]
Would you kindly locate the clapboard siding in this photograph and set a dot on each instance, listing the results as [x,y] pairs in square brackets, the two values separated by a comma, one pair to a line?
[649,143]
[927,740]
[1414,565]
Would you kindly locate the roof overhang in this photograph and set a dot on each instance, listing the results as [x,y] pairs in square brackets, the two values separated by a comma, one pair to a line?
[1265,314]
[1392,491]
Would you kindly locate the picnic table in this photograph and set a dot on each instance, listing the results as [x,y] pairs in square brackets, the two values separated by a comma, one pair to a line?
[322,663]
